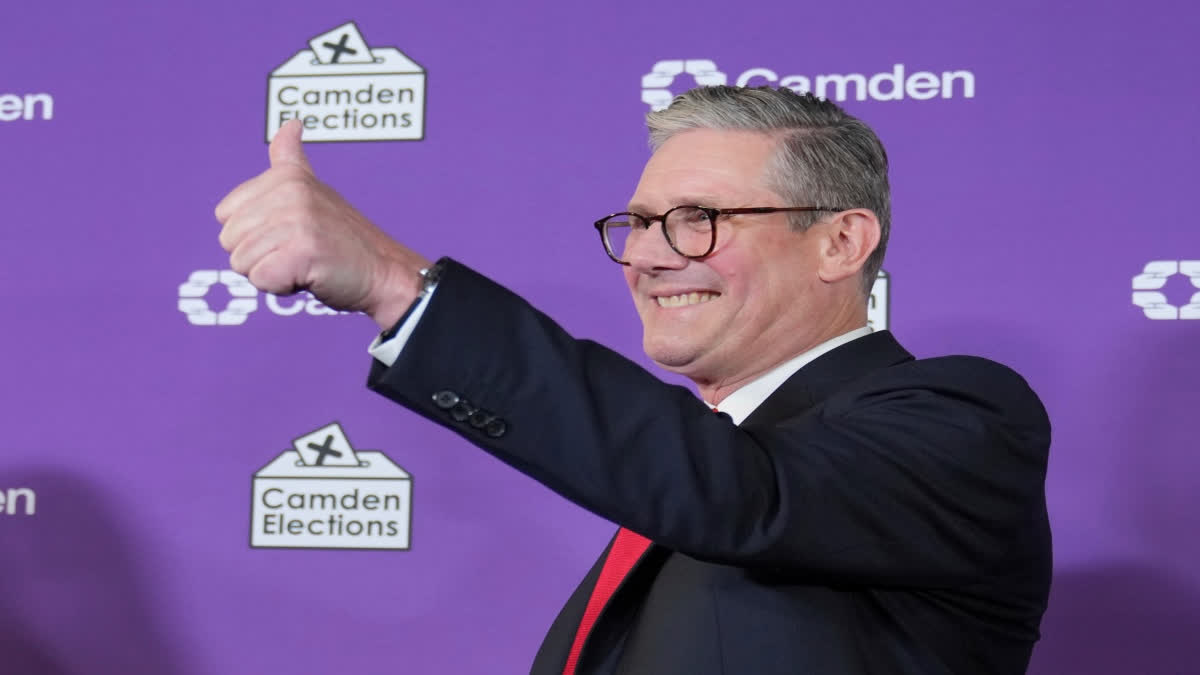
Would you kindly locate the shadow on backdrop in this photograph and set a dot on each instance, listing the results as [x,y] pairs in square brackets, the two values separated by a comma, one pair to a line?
[1120,620]
[1120,617]
[1156,429]
[21,653]
[1143,617]
[73,600]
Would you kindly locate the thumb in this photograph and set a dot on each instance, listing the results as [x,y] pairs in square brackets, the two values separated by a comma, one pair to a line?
[286,147]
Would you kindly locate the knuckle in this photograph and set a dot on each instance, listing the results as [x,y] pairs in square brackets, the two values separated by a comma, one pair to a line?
[302,247]
[301,191]
[291,175]
[271,275]
[259,277]
[237,263]
[292,197]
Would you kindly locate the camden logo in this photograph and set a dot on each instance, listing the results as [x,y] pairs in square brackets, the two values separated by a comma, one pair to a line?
[892,85]
[879,303]
[18,501]
[1148,295]
[194,295]
[656,85]
[343,90]
[326,494]
[15,107]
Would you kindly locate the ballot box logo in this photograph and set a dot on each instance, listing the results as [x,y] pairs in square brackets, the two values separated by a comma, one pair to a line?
[199,301]
[675,76]
[341,89]
[324,493]
[879,302]
[1151,293]
[901,82]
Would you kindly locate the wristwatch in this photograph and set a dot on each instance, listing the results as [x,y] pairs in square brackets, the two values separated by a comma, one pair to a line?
[430,276]
[429,281]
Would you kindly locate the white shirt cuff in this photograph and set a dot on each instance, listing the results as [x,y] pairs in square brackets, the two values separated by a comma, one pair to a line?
[387,352]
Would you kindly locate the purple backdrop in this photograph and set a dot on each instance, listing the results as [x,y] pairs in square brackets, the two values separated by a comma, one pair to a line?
[1023,214]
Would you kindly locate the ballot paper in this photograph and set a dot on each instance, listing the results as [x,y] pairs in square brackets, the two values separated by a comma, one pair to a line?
[344,44]
[341,89]
[327,446]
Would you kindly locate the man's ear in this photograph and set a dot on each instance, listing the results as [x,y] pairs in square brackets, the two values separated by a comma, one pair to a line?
[847,241]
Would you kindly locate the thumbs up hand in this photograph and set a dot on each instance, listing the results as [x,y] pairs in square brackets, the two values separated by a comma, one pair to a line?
[287,231]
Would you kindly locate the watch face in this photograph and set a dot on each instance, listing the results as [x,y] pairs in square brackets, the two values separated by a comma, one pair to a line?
[430,276]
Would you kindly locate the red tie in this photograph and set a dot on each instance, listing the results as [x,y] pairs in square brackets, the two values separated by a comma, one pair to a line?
[627,548]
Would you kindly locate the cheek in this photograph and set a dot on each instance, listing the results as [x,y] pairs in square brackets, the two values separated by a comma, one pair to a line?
[630,278]
[736,270]
[759,284]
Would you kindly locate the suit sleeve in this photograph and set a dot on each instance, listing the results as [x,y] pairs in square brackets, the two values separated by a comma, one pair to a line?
[897,483]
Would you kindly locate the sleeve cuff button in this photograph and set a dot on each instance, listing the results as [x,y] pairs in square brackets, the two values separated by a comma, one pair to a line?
[445,399]
[496,428]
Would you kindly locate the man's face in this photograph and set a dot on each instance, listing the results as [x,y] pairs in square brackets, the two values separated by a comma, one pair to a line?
[727,318]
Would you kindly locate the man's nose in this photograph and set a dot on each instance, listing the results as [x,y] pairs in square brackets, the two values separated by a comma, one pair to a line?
[651,251]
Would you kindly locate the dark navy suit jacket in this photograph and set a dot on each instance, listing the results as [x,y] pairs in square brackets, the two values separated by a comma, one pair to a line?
[876,514]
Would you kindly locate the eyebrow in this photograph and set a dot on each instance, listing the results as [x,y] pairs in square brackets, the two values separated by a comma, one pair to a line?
[694,200]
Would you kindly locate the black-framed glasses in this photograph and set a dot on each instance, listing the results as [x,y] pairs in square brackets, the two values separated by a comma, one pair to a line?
[691,231]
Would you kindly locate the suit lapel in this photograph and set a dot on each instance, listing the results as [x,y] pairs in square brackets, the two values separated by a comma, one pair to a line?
[829,372]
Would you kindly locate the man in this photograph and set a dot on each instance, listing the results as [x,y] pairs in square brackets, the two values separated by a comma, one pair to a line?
[853,511]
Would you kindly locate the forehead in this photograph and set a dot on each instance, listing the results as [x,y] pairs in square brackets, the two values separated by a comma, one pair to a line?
[708,165]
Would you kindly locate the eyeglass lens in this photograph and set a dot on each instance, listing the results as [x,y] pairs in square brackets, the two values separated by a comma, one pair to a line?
[689,230]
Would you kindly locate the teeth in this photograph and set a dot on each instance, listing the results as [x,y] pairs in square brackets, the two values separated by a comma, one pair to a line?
[684,299]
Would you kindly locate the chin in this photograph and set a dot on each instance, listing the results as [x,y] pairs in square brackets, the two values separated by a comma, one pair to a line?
[669,354]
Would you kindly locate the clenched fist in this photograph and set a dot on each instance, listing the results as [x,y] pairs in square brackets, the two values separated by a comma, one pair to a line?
[287,231]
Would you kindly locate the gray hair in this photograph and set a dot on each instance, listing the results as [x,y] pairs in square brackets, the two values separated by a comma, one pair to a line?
[825,157]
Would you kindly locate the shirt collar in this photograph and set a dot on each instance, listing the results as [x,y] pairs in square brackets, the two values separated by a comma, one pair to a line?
[742,402]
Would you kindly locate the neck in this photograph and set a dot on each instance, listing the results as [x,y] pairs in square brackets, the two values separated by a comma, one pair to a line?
[716,389]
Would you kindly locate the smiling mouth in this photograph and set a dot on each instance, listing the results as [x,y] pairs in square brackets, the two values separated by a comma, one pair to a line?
[684,299]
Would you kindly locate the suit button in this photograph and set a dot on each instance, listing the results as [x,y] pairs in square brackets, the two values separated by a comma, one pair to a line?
[445,399]
[496,428]
[480,418]
[461,411]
